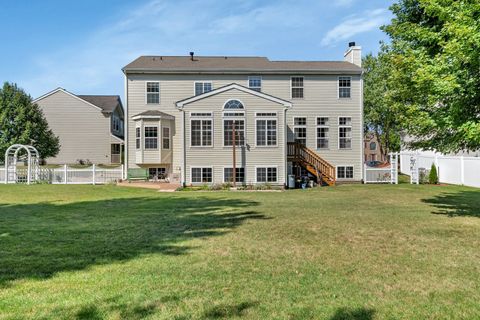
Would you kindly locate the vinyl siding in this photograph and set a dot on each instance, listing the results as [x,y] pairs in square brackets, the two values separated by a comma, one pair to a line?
[320,99]
[84,131]
[249,156]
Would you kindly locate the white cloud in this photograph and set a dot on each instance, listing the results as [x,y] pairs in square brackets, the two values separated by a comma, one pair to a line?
[356,24]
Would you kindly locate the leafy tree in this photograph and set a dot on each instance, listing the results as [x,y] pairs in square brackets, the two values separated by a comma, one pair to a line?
[435,57]
[381,113]
[22,121]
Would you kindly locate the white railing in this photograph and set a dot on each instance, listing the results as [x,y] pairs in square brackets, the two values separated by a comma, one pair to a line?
[450,169]
[72,175]
[382,175]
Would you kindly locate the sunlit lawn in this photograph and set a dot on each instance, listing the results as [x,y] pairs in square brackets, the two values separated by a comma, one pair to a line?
[345,252]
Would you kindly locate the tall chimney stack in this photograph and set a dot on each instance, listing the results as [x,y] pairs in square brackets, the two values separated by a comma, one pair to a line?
[191,55]
[353,54]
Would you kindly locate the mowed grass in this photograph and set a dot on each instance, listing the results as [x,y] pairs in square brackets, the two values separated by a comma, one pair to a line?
[345,252]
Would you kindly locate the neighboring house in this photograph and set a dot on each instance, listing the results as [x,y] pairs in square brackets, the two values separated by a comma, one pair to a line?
[90,127]
[372,148]
[289,117]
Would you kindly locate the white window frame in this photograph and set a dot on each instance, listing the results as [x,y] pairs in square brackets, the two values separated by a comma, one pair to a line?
[138,138]
[145,138]
[200,118]
[345,126]
[146,93]
[338,87]
[345,166]
[226,118]
[291,87]
[257,78]
[300,126]
[203,87]
[201,167]
[168,138]
[271,117]
[239,167]
[266,167]
[327,126]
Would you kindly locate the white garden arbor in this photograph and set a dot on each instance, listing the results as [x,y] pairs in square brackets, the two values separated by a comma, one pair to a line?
[28,155]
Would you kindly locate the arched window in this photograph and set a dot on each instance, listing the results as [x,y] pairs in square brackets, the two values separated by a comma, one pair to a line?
[373,146]
[233,104]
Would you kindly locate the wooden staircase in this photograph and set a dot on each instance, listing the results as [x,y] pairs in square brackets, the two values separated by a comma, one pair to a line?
[312,162]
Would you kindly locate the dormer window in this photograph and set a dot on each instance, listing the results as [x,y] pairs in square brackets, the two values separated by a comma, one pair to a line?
[233,104]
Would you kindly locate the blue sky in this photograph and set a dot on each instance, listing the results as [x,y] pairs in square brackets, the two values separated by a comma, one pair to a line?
[82,45]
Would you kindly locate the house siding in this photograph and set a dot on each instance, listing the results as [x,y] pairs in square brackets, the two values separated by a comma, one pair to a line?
[320,99]
[84,131]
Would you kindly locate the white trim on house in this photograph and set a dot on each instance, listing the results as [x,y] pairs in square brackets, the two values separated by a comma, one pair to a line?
[265,166]
[203,82]
[345,166]
[266,118]
[66,92]
[291,87]
[338,88]
[180,104]
[258,77]
[138,117]
[159,91]
[120,140]
[201,167]
[345,126]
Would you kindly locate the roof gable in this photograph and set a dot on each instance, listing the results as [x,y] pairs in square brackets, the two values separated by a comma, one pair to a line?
[106,104]
[180,104]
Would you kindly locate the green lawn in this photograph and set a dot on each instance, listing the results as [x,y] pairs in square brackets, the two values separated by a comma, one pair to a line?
[345,252]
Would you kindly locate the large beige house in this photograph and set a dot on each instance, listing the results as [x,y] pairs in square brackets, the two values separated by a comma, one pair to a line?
[289,117]
[90,127]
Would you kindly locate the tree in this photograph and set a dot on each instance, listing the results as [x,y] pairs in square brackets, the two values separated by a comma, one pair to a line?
[381,113]
[435,57]
[22,121]
[433,176]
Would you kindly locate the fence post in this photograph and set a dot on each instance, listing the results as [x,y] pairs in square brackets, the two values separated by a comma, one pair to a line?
[364,173]
[65,173]
[93,173]
[123,172]
[462,170]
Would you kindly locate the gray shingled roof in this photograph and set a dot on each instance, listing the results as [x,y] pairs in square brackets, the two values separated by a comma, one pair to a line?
[235,64]
[106,103]
[155,113]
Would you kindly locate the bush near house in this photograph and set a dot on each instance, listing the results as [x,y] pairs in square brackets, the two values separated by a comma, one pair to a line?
[433,176]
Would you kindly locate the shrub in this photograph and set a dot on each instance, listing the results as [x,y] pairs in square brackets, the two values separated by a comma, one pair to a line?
[433,176]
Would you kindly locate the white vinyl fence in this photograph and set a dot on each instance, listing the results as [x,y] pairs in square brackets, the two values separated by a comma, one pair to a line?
[451,169]
[383,175]
[72,175]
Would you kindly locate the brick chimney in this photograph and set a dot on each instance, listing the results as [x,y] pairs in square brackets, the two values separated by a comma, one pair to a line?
[353,54]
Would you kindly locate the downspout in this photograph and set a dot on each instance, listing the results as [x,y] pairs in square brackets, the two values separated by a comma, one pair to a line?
[126,119]
[362,153]
[285,142]
[184,169]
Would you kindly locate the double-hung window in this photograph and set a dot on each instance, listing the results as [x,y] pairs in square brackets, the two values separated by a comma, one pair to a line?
[300,130]
[228,175]
[297,87]
[344,87]
[267,174]
[202,87]
[202,175]
[166,138]
[201,130]
[255,83]
[153,92]
[151,137]
[345,172]
[138,137]
[344,133]
[266,129]
[322,133]
[233,120]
